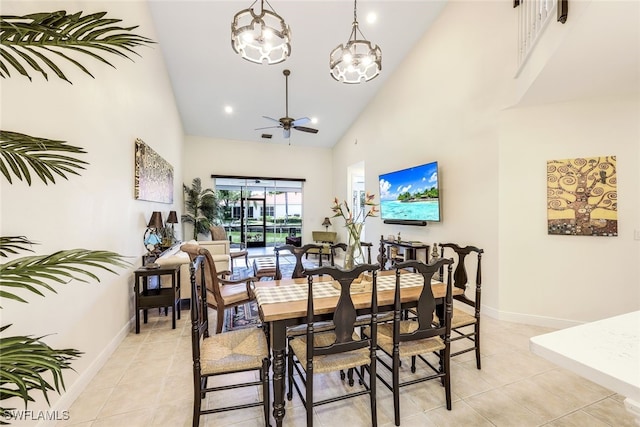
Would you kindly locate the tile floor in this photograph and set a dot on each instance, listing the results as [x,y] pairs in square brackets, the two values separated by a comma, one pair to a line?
[148,382]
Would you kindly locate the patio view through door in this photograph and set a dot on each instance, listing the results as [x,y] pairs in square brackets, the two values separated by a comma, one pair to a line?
[259,212]
[253,228]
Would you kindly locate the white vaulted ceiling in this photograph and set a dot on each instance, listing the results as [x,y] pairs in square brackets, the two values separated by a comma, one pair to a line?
[207,75]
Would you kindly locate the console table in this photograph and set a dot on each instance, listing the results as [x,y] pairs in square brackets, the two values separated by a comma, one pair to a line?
[146,298]
[411,249]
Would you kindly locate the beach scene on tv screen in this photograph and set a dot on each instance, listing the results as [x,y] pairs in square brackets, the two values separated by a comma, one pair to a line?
[411,194]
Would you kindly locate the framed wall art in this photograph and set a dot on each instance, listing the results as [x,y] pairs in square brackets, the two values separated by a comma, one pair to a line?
[153,175]
[582,197]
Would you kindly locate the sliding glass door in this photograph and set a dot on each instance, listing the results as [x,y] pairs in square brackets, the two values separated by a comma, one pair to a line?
[259,212]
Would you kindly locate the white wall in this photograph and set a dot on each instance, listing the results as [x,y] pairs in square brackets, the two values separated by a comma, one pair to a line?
[546,279]
[451,101]
[206,157]
[95,210]
[442,105]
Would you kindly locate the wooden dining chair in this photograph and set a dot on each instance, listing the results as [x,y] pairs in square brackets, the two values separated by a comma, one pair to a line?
[298,273]
[298,253]
[230,353]
[417,338]
[222,293]
[465,327]
[339,349]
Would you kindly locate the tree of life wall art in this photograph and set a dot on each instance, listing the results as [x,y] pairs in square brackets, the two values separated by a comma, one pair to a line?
[582,197]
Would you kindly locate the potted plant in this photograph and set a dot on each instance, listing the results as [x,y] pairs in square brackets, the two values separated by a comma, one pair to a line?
[201,208]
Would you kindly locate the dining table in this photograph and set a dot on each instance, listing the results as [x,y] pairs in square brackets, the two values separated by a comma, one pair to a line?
[283,303]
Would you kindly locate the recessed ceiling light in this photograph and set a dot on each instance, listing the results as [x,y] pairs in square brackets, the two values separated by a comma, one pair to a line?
[314,120]
[228,109]
[372,18]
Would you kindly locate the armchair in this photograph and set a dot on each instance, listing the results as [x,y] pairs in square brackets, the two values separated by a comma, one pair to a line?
[219,250]
[326,238]
[218,232]
[224,293]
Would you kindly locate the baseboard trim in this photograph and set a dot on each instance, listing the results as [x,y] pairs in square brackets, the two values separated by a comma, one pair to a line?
[73,392]
[529,319]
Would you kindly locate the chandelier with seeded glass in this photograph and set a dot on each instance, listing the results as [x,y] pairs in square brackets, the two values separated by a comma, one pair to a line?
[358,60]
[263,38]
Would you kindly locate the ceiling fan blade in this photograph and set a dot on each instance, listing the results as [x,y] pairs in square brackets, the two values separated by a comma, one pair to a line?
[272,119]
[300,121]
[306,129]
[286,123]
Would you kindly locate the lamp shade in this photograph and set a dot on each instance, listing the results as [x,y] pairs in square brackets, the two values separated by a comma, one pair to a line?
[173,218]
[326,222]
[155,221]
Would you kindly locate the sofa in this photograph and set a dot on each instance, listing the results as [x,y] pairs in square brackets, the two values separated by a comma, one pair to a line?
[219,250]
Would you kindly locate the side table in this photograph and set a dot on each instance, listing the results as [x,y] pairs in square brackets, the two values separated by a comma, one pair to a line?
[411,249]
[146,298]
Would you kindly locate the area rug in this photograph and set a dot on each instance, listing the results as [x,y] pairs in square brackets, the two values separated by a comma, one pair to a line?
[245,316]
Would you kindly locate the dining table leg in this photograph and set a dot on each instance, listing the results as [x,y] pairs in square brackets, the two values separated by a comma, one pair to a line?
[278,346]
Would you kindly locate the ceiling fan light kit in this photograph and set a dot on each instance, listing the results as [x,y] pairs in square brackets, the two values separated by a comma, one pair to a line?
[358,60]
[287,123]
[262,38]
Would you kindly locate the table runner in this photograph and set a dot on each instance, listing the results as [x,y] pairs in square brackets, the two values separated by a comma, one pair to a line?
[298,292]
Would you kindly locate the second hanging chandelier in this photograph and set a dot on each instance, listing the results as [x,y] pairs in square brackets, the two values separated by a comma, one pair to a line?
[358,60]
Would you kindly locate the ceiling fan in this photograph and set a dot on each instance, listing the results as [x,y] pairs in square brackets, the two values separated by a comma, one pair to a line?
[287,123]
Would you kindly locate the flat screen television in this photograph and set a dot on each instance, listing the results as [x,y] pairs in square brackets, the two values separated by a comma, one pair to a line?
[410,196]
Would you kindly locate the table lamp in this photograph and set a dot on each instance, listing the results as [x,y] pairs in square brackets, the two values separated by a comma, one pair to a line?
[171,219]
[151,238]
[326,223]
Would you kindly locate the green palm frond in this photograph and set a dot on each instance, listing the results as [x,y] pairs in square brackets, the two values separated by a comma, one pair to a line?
[34,273]
[30,42]
[13,244]
[24,361]
[201,207]
[19,153]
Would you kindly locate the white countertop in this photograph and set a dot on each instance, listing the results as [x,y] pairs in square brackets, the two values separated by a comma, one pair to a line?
[606,352]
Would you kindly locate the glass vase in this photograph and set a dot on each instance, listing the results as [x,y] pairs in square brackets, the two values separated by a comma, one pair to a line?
[354,255]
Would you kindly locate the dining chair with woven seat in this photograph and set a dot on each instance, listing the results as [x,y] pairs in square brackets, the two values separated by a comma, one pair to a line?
[464,325]
[298,253]
[233,352]
[338,349]
[417,338]
[299,273]
[222,293]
